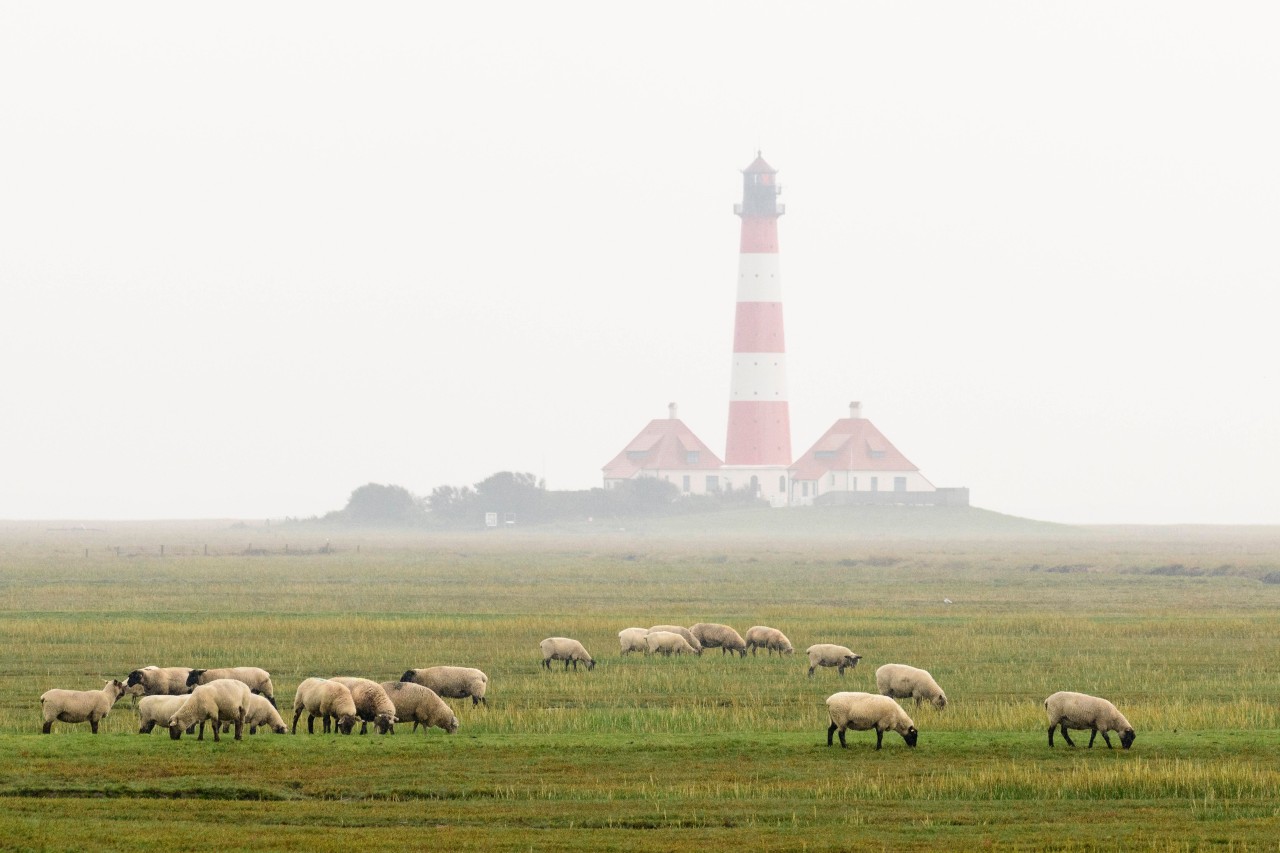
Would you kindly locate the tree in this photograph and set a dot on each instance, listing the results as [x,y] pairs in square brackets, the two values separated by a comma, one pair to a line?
[377,504]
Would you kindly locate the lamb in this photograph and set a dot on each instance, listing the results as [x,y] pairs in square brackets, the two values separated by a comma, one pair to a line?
[683,632]
[326,699]
[770,639]
[79,706]
[157,709]
[160,680]
[372,704]
[668,643]
[1081,711]
[452,682]
[713,635]
[567,650]
[218,701]
[862,711]
[258,680]
[829,654]
[262,713]
[632,640]
[420,704]
[899,681]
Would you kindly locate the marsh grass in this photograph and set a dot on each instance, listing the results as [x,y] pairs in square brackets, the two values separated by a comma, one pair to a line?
[716,751]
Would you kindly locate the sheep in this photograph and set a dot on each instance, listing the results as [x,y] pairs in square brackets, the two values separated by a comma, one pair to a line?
[667,642]
[261,713]
[78,706]
[372,704]
[326,699]
[159,680]
[257,679]
[157,709]
[683,632]
[899,681]
[632,640]
[829,654]
[862,711]
[452,682]
[713,635]
[217,701]
[1081,711]
[770,639]
[567,650]
[420,704]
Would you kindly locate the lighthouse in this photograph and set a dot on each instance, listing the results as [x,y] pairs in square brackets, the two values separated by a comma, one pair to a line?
[759,434]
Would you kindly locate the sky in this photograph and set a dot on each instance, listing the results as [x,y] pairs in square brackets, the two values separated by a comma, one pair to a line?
[253,256]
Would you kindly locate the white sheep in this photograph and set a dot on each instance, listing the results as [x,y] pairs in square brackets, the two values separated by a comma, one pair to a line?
[452,682]
[632,640]
[262,714]
[159,681]
[1081,711]
[157,709]
[668,643]
[683,632]
[770,639]
[567,650]
[372,704]
[421,705]
[223,700]
[80,706]
[713,635]
[829,654]
[326,699]
[899,681]
[257,679]
[862,711]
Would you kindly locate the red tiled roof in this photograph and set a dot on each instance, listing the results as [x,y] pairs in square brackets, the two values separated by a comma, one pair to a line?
[664,444]
[852,444]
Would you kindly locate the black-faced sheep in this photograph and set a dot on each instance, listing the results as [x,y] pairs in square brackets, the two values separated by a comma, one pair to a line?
[421,705]
[567,650]
[326,699]
[899,681]
[257,679]
[770,639]
[683,632]
[80,706]
[667,643]
[262,714]
[159,709]
[1069,710]
[372,704]
[224,700]
[452,682]
[829,654]
[862,711]
[160,680]
[713,635]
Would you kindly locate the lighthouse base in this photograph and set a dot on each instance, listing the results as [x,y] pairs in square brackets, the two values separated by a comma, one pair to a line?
[768,482]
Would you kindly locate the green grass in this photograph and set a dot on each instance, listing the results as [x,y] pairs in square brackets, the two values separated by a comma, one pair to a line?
[1178,629]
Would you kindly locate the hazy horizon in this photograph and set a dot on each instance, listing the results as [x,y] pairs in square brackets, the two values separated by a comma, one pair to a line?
[254,257]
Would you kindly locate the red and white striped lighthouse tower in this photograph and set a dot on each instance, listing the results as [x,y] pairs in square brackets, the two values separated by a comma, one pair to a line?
[759,417]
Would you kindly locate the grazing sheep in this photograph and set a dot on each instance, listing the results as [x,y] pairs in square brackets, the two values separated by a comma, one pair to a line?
[326,699]
[770,639]
[862,711]
[713,635]
[683,632]
[257,679]
[261,713]
[452,682]
[567,650]
[79,706]
[899,681]
[421,705]
[632,640]
[829,654]
[159,680]
[668,643]
[218,701]
[1081,711]
[372,704]
[157,709]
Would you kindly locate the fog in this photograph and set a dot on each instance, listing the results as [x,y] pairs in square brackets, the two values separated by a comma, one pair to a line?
[253,256]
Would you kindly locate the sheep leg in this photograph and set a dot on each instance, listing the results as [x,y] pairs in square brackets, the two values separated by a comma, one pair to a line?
[93,725]
[239,728]
[1051,730]
[1066,736]
[201,737]
[1107,739]
[546,663]
[811,672]
[364,727]
[879,737]
[297,712]
[217,727]
[48,724]
[147,727]
[831,729]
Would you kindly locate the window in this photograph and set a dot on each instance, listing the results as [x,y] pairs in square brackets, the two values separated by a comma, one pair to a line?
[899,484]
[782,484]
[713,483]
[684,483]
[824,454]
[875,484]
[637,455]
[691,457]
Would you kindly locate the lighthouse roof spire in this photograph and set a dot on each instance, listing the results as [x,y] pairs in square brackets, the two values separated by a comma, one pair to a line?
[759,166]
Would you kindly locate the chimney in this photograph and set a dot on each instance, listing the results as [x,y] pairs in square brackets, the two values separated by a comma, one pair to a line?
[855,409]
[671,411]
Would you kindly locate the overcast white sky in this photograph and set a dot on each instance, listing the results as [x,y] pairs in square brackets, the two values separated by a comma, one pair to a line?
[254,255]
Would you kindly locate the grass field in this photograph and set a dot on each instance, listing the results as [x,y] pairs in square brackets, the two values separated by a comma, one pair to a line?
[1178,627]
